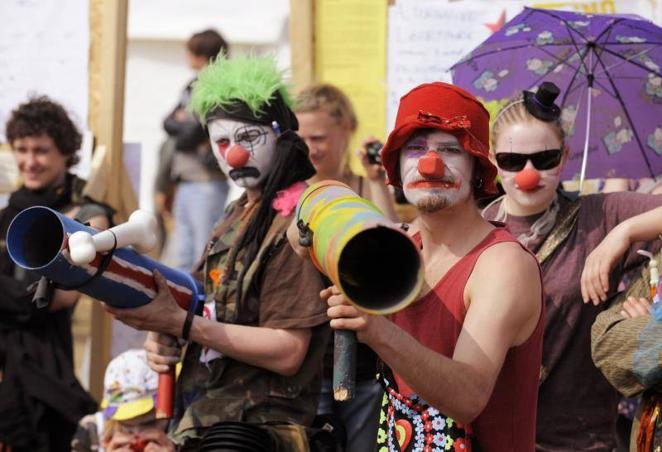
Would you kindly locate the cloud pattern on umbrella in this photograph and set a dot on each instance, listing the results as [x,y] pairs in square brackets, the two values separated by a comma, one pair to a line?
[619,55]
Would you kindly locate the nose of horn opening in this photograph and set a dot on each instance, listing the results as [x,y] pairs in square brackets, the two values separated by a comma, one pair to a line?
[35,237]
[380,270]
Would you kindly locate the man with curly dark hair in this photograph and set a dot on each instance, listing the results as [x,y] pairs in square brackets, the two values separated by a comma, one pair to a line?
[40,398]
[42,120]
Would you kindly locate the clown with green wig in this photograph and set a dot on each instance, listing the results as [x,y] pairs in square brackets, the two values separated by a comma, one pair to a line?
[252,365]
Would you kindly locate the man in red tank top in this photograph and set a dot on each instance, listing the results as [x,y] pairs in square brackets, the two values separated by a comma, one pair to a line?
[464,359]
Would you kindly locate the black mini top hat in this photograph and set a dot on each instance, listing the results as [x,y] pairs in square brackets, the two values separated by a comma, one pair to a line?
[541,103]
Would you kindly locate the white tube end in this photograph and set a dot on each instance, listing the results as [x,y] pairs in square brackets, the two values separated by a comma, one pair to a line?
[81,248]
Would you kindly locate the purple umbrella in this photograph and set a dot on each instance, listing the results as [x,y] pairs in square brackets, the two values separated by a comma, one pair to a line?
[608,70]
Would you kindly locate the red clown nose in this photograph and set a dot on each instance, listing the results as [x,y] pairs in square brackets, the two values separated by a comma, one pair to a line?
[237,156]
[527,179]
[431,166]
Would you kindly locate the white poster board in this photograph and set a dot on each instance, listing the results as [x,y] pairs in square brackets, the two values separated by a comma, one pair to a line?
[44,48]
[426,37]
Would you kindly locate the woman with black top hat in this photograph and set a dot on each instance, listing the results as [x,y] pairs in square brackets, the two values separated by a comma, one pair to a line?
[584,246]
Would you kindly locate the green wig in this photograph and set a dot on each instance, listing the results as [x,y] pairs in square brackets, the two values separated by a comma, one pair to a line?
[249,80]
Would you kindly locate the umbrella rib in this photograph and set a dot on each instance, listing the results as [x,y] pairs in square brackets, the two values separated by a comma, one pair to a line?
[565,21]
[569,90]
[579,52]
[594,78]
[595,82]
[616,43]
[558,60]
[626,77]
[627,115]
[608,29]
[638,28]
[505,49]
[627,60]
[489,53]
[604,87]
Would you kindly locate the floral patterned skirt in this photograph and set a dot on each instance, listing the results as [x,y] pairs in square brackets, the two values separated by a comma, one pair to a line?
[409,424]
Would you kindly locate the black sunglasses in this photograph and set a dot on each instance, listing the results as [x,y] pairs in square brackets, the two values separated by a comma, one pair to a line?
[543,160]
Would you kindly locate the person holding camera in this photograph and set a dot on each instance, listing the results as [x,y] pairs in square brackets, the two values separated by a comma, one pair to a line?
[327,122]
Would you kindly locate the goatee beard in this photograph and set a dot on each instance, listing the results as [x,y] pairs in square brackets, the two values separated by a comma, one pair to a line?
[431,204]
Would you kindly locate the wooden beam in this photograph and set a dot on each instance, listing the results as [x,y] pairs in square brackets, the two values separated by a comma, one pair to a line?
[108,39]
[107,74]
[302,42]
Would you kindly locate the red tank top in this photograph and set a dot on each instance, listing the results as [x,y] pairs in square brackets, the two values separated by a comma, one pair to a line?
[508,422]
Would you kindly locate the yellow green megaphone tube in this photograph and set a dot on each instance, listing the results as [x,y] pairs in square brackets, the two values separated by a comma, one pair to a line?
[371,260]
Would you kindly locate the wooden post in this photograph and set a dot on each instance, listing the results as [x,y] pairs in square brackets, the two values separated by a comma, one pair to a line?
[302,42]
[108,38]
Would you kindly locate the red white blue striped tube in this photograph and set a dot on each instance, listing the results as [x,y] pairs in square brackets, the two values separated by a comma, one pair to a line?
[37,238]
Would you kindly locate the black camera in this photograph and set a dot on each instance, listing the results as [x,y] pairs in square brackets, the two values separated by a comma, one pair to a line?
[372,151]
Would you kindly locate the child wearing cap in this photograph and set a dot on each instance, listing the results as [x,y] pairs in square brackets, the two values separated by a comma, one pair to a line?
[127,421]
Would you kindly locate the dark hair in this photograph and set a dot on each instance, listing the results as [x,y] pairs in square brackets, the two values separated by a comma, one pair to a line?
[207,43]
[291,164]
[42,116]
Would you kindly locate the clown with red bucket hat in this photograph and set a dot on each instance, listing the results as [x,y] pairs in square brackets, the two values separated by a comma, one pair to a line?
[462,361]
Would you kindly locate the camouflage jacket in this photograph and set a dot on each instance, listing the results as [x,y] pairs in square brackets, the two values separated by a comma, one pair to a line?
[279,290]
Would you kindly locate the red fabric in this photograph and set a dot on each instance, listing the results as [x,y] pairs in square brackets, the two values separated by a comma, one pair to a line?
[450,109]
[508,422]
[647,422]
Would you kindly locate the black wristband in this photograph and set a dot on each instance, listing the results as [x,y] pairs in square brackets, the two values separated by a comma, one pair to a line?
[186,329]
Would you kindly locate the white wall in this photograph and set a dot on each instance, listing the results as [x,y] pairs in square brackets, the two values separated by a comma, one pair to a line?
[156,69]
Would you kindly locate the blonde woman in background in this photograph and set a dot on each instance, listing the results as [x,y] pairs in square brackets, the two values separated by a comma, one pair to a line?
[327,122]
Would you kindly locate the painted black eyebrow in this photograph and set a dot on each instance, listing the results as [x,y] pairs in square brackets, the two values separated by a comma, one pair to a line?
[250,128]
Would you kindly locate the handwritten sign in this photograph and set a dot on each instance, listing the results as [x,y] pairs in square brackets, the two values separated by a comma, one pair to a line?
[426,37]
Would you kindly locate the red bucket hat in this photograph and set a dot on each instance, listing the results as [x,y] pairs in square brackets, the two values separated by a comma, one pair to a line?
[448,108]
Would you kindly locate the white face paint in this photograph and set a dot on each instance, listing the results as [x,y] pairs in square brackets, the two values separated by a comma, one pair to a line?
[528,138]
[454,187]
[257,139]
